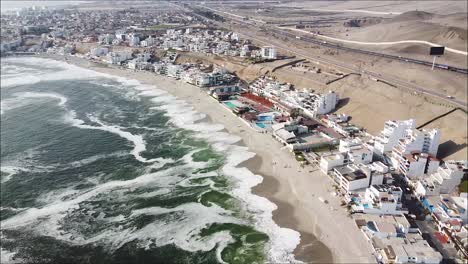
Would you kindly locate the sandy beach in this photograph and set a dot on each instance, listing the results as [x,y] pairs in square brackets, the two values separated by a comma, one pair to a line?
[328,234]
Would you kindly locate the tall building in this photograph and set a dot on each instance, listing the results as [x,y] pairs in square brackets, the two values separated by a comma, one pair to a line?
[268,52]
[423,141]
[415,154]
[445,180]
[323,104]
[133,40]
[393,131]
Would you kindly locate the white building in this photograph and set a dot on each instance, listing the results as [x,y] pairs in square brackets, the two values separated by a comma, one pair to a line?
[424,141]
[445,180]
[412,249]
[99,51]
[415,164]
[106,39]
[356,150]
[393,131]
[148,42]
[133,40]
[356,176]
[330,161]
[352,151]
[321,104]
[235,36]
[117,57]
[120,34]
[415,154]
[245,51]
[382,200]
[174,70]
[143,57]
[268,52]
[450,174]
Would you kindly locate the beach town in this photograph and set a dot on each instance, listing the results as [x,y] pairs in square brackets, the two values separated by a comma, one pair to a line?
[366,198]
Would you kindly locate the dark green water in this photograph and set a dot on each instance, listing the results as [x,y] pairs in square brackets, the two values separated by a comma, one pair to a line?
[97,170]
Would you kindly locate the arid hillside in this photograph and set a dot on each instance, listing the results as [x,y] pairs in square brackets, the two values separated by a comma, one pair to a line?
[445,30]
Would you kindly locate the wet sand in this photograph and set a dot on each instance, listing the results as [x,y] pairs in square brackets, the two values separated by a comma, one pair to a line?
[310,249]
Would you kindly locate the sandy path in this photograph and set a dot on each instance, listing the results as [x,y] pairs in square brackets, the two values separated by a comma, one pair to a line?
[328,234]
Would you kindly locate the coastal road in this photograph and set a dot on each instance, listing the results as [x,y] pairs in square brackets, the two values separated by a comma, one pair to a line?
[348,67]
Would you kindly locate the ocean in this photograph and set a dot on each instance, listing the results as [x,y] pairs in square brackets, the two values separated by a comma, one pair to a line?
[102,169]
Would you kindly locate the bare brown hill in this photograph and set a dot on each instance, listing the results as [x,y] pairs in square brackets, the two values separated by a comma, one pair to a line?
[412,15]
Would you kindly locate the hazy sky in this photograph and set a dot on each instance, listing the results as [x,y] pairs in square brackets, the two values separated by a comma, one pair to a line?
[12,5]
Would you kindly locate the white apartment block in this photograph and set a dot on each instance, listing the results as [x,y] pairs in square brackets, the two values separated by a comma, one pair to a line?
[324,104]
[99,51]
[142,57]
[415,164]
[415,154]
[424,141]
[174,70]
[352,151]
[356,176]
[148,42]
[383,200]
[117,57]
[106,39]
[268,52]
[444,181]
[393,131]
[330,161]
[398,250]
[450,174]
[133,40]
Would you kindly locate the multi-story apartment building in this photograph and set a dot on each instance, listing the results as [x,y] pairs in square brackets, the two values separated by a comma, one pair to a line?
[415,154]
[391,134]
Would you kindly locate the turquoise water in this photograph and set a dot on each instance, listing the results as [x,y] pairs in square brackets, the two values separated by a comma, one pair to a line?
[230,105]
[265,118]
[102,170]
[260,124]
[366,206]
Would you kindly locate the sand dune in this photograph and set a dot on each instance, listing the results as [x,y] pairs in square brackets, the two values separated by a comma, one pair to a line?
[415,27]
[395,7]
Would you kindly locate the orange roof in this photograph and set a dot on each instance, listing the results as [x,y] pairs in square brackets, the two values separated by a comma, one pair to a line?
[442,237]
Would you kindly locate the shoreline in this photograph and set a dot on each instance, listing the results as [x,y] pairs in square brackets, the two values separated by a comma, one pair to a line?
[327,233]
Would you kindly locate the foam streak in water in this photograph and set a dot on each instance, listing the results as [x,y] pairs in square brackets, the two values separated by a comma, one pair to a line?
[137,140]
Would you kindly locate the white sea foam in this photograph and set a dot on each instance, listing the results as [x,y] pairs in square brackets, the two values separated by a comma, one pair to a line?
[54,70]
[10,171]
[282,240]
[94,158]
[58,207]
[182,233]
[7,257]
[137,140]
[20,99]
